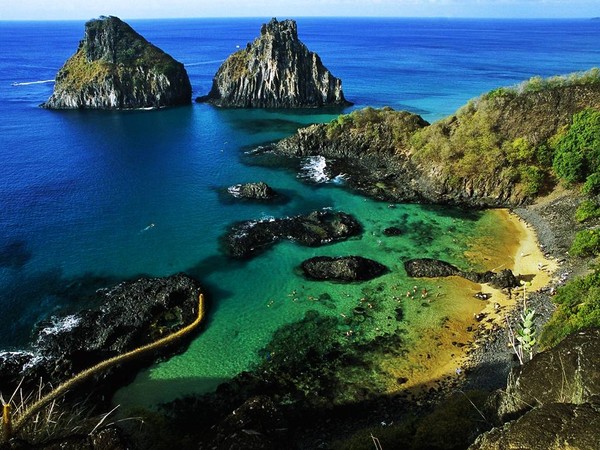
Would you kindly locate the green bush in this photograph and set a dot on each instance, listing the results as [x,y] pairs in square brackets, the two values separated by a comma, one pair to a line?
[532,178]
[588,209]
[578,150]
[592,184]
[586,243]
[544,154]
[578,307]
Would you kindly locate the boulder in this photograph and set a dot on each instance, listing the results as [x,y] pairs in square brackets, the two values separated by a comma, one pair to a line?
[116,68]
[253,191]
[275,71]
[344,268]
[567,373]
[554,426]
[435,268]
[247,239]
[551,402]
[430,268]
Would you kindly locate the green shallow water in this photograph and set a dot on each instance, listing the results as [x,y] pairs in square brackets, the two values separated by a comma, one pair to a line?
[267,292]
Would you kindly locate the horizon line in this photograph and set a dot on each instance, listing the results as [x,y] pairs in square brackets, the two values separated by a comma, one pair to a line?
[308,17]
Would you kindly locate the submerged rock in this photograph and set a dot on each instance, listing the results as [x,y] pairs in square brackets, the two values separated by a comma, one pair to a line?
[116,68]
[434,268]
[246,239]
[393,231]
[253,191]
[344,268]
[129,315]
[276,71]
[430,268]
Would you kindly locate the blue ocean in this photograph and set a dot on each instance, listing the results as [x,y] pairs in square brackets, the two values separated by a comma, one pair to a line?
[89,199]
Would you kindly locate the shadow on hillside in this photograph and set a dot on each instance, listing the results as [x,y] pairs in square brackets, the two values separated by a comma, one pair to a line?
[418,417]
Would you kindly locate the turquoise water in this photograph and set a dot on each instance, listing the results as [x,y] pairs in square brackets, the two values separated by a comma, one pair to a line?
[78,190]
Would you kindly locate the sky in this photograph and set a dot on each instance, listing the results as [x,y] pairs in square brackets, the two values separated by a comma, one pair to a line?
[139,9]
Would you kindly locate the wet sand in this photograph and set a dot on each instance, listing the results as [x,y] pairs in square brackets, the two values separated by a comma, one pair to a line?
[442,356]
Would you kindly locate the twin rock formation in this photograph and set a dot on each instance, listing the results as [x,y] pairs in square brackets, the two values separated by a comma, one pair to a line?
[116,68]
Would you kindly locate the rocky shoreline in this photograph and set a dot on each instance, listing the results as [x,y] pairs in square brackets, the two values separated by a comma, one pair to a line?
[552,220]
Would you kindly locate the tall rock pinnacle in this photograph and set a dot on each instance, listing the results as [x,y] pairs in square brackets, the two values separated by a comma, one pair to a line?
[275,71]
[116,68]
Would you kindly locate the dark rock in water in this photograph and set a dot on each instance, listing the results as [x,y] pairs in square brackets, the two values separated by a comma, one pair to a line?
[344,268]
[116,68]
[434,268]
[253,191]
[249,238]
[129,315]
[15,254]
[504,279]
[276,71]
[430,268]
[393,231]
[555,398]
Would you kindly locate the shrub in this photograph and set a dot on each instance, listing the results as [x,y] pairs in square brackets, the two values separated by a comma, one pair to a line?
[592,184]
[586,243]
[544,154]
[578,307]
[588,209]
[532,178]
[578,150]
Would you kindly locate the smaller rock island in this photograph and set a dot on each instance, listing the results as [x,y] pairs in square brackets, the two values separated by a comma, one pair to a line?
[275,71]
[116,68]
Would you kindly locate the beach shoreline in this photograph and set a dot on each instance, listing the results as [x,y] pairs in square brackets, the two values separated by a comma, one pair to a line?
[549,228]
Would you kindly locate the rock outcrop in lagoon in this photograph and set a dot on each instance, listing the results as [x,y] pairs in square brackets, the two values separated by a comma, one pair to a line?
[343,268]
[247,239]
[275,71]
[116,68]
[434,268]
[260,191]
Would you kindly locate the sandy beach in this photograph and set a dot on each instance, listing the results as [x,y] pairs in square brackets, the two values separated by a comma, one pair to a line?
[444,357]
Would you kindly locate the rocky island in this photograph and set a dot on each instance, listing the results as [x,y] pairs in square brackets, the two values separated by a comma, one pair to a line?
[275,71]
[116,68]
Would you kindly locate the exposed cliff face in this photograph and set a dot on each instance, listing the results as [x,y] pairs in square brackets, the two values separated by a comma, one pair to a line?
[466,159]
[116,68]
[276,71]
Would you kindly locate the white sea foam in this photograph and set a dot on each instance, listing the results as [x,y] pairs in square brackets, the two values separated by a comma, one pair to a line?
[34,358]
[61,325]
[27,83]
[201,63]
[235,190]
[313,168]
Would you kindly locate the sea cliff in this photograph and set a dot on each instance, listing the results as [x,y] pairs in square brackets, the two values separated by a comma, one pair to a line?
[496,151]
[275,71]
[116,68]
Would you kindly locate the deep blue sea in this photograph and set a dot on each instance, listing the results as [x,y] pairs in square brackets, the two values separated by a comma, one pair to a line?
[88,199]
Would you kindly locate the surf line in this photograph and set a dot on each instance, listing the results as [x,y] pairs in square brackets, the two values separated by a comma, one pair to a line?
[27,83]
